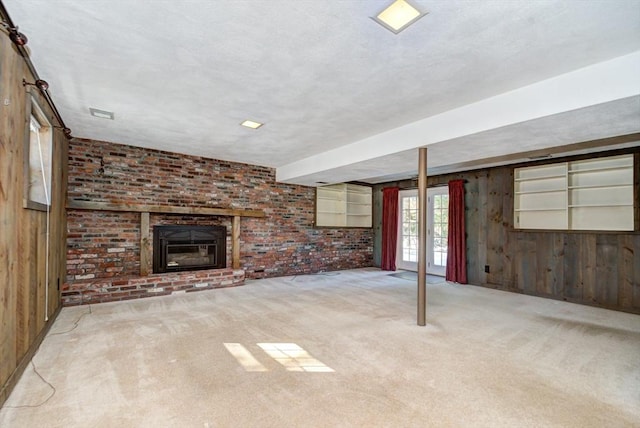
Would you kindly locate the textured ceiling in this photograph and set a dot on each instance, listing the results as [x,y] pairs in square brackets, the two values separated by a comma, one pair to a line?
[510,144]
[181,75]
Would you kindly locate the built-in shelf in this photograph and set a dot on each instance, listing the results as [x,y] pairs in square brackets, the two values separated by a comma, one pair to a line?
[597,186]
[540,209]
[531,192]
[344,205]
[593,194]
[600,205]
[604,168]
[543,177]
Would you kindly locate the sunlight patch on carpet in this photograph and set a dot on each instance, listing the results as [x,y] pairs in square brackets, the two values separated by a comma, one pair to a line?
[293,357]
[245,358]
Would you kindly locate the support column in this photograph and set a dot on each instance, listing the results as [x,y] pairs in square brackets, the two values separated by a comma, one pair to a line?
[235,241]
[422,237]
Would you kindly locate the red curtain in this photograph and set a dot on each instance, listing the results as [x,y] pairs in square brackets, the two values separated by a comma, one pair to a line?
[457,249]
[389,227]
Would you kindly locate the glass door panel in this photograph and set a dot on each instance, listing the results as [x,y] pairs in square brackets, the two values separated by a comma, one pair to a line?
[407,252]
[437,230]
[437,239]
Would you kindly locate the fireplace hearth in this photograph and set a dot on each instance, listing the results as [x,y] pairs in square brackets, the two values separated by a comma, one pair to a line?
[185,247]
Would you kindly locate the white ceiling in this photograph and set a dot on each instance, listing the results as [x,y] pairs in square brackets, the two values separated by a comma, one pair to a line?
[337,91]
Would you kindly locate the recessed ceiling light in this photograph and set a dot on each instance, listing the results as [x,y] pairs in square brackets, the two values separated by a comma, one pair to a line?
[251,124]
[102,114]
[398,16]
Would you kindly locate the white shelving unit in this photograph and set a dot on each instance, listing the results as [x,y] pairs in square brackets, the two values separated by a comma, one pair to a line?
[541,197]
[344,205]
[601,193]
[594,194]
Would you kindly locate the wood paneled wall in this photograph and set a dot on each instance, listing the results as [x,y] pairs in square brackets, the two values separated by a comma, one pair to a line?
[24,318]
[599,269]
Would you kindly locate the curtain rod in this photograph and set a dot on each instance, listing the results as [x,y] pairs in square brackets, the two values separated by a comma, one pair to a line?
[25,55]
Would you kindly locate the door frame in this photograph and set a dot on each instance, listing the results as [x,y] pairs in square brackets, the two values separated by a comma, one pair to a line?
[401,264]
[432,269]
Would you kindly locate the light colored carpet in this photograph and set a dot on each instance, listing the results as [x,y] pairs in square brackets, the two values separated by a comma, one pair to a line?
[336,350]
[413,276]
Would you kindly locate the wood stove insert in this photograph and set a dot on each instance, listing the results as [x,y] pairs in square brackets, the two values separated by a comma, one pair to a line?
[185,247]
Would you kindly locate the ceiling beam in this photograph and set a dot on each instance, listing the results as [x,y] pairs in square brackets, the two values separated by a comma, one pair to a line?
[596,84]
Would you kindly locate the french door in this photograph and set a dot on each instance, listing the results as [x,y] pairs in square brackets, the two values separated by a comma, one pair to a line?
[407,251]
[437,230]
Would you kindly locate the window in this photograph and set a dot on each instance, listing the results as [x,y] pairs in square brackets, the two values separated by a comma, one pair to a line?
[593,194]
[37,165]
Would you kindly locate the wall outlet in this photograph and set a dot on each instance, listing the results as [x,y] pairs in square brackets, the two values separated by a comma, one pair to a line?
[486,268]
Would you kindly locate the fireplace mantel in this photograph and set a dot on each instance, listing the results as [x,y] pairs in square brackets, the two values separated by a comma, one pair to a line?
[145,210]
[161,209]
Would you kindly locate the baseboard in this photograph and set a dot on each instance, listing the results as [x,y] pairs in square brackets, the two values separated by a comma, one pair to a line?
[11,382]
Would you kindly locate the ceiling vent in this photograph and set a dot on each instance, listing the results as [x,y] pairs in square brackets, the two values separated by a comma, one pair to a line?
[102,114]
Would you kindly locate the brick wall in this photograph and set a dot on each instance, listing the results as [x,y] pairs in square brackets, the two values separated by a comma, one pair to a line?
[106,244]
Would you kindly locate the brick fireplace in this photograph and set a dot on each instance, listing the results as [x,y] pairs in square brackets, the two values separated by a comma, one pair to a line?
[114,271]
[106,249]
[179,248]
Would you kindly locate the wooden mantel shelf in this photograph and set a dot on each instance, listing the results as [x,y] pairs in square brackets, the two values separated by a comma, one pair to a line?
[145,238]
[164,209]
